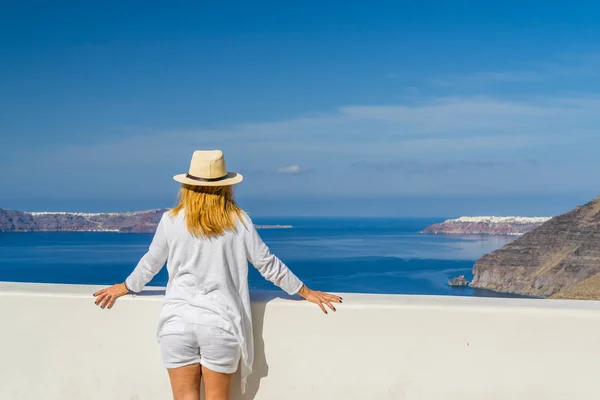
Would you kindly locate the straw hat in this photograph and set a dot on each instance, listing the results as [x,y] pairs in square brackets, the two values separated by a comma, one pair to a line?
[208,169]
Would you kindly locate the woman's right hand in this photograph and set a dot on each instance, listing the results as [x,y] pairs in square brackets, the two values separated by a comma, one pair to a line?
[320,298]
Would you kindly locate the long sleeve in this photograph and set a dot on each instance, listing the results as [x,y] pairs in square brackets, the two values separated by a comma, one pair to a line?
[269,266]
[152,262]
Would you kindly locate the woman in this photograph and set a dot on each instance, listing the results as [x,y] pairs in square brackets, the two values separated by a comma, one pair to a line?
[205,325]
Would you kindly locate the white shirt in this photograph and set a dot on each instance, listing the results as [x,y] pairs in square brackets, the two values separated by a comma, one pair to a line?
[209,277]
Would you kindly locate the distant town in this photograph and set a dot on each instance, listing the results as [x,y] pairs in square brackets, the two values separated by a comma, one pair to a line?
[486,226]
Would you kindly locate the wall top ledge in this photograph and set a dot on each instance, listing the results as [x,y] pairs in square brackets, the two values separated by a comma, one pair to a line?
[351,300]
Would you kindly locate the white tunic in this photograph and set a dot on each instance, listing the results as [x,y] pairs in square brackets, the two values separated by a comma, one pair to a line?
[209,277]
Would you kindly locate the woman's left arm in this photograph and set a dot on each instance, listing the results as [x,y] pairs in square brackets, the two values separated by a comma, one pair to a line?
[274,270]
[148,266]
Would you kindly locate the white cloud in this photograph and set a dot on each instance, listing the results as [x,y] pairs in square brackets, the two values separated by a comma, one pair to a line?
[290,169]
[430,126]
[576,67]
[428,129]
[489,77]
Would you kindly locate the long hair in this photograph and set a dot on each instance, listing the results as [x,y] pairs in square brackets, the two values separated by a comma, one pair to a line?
[209,210]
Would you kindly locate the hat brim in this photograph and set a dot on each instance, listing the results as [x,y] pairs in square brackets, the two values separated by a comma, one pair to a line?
[231,178]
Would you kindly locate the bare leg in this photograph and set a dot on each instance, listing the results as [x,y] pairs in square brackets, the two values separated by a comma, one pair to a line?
[185,382]
[216,384]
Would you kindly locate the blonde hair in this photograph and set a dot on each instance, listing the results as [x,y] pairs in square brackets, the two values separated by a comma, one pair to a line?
[209,210]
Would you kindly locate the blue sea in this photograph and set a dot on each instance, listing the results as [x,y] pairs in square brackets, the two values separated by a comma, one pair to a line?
[364,255]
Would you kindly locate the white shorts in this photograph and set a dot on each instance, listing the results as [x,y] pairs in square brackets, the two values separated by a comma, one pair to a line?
[183,343]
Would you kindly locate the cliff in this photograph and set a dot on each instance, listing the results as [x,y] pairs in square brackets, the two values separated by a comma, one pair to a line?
[561,257]
[128,222]
[588,289]
[134,222]
[486,226]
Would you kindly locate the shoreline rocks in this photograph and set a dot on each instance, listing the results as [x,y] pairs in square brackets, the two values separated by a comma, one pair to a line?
[459,281]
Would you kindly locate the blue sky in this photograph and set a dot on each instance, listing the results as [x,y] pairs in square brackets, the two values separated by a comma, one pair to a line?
[367,108]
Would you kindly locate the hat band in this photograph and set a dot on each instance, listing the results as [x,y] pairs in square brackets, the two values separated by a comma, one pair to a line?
[196,178]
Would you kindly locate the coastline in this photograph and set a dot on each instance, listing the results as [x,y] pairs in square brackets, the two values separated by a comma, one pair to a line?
[144,221]
[121,230]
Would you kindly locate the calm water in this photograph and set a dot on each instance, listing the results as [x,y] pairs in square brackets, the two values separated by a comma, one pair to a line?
[342,255]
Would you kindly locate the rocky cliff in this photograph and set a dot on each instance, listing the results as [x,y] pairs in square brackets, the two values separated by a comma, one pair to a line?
[557,258]
[128,222]
[486,226]
[134,222]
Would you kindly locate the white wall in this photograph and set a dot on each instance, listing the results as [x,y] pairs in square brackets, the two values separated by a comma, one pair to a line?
[56,344]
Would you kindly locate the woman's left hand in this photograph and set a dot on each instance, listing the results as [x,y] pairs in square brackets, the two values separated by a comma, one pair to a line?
[108,296]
